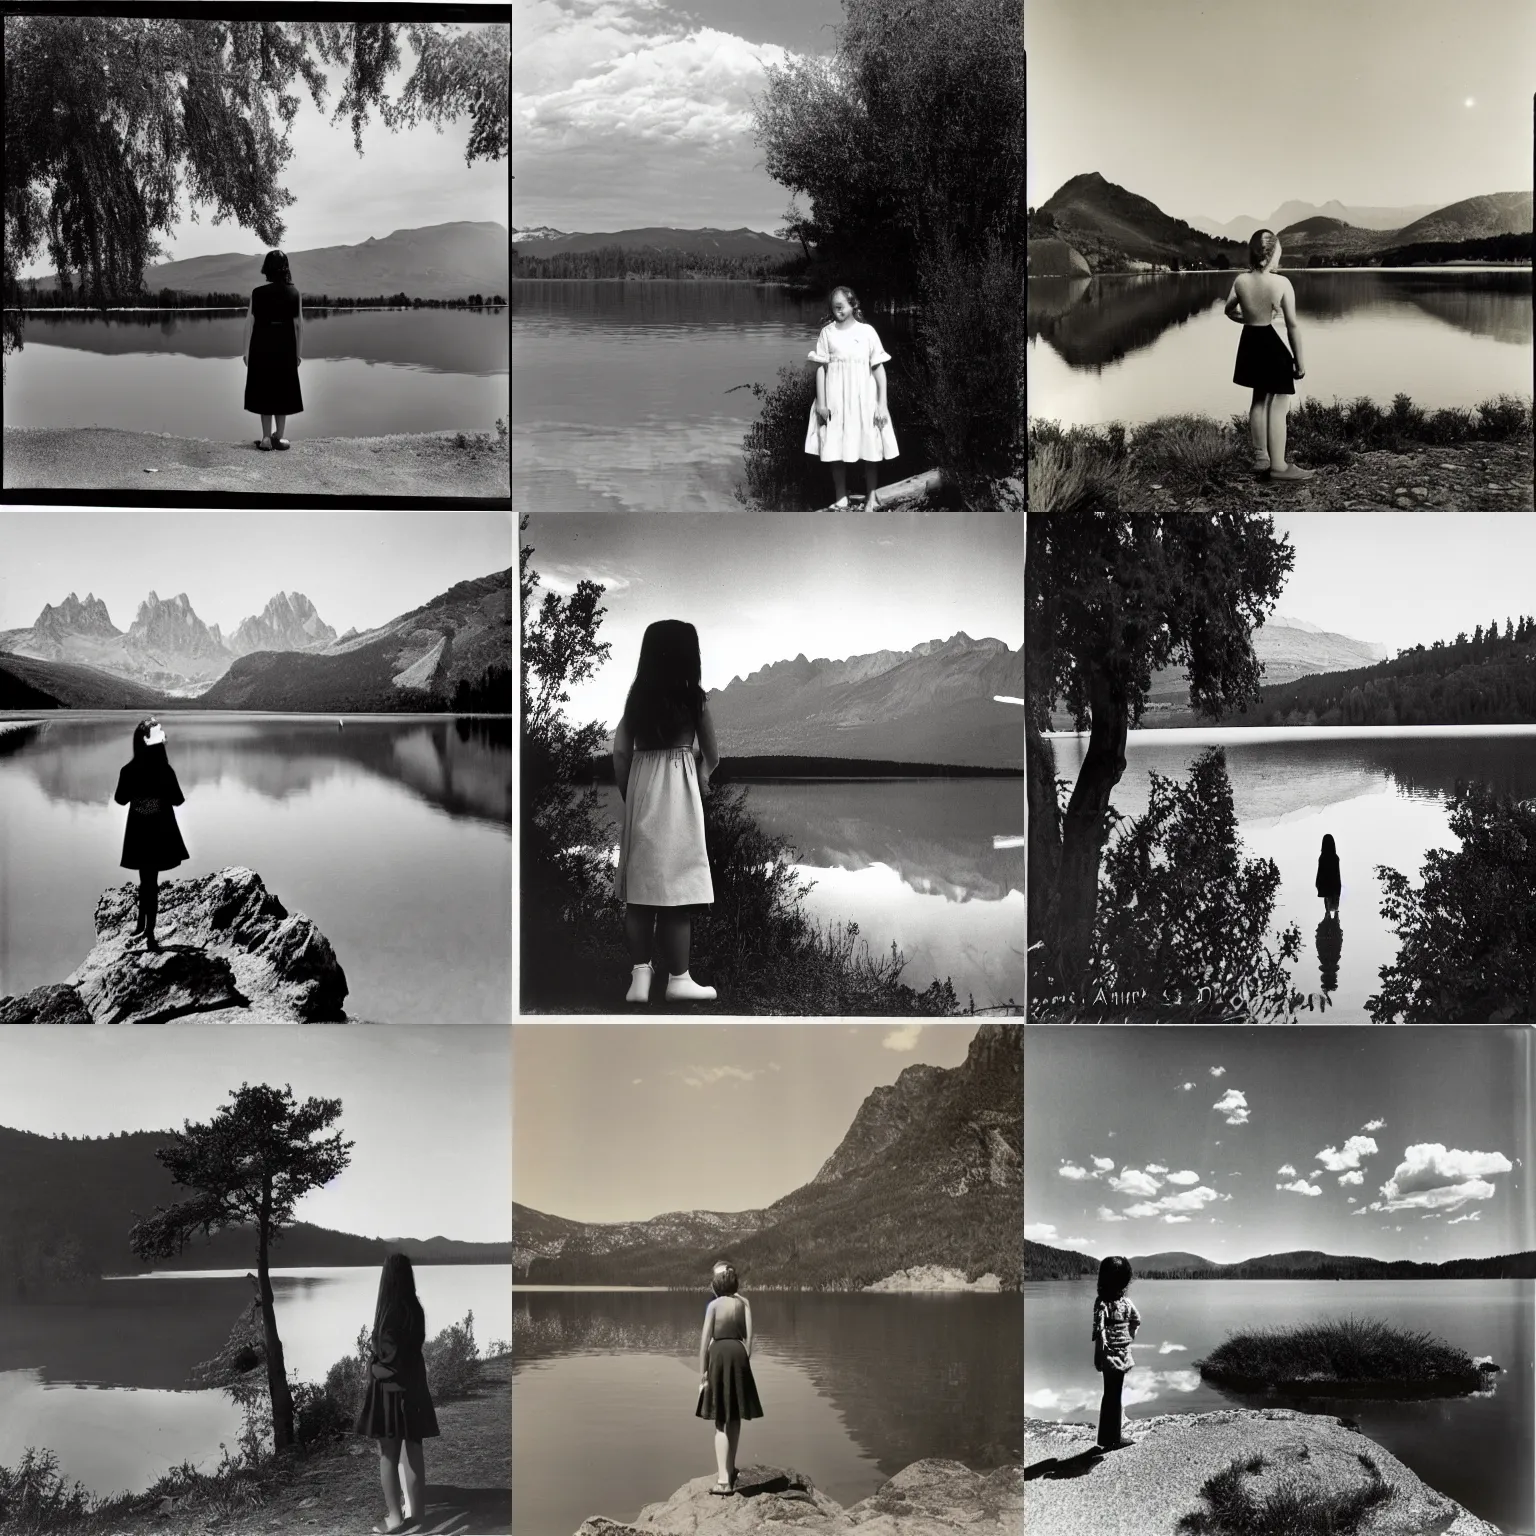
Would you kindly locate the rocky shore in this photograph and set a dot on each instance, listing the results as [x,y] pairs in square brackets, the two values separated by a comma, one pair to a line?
[230,951]
[102,458]
[1149,1486]
[929,1498]
[935,1277]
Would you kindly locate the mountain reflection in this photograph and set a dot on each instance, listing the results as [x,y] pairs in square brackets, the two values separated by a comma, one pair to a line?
[1093,322]
[462,766]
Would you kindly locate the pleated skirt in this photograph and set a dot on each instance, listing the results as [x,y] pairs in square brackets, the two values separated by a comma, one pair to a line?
[729,1392]
[400,1414]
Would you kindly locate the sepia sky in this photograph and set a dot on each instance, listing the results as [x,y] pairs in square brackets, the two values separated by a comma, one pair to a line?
[634,113]
[1216,111]
[764,589]
[623,1122]
[451,1085]
[403,180]
[1409,578]
[1411,1143]
[359,569]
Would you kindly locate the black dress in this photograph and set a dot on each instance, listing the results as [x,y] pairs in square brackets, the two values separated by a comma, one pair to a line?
[397,1404]
[151,840]
[729,1392]
[272,376]
[1264,362]
[1330,883]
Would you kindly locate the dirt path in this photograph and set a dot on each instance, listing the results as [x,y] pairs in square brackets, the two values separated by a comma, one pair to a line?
[102,458]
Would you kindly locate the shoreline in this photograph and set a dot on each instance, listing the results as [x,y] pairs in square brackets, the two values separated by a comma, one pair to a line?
[106,458]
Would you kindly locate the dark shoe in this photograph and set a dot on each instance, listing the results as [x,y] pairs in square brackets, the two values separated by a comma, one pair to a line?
[281,443]
[151,943]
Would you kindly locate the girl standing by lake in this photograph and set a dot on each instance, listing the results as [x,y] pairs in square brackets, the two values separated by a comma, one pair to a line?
[1330,883]
[151,841]
[1115,1321]
[274,348]
[663,755]
[727,1392]
[397,1406]
[849,421]
[1260,296]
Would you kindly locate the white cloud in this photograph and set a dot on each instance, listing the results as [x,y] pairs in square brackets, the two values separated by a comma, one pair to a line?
[1072,1171]
[1373,1125]
[1185,1087]
[1350,1200]
[1173,1221]
[1103,1165]
[1360,1211]
[1156,1168]
[903,1039]
[1234,1106]
[1105,1214]
[1470,1216]
[1434,1177]
[699,1077]
[1041,1232]
[1132,1181]
[1218,1071]
[1301,1187]
[1286,1171]
[1355,1177]
[1185,1201]
[635,1080]
[1184,1176]
[563,578]
[1347,1156]
[1165,1348]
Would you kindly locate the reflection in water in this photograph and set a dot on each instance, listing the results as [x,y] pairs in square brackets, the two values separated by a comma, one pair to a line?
[1330,946]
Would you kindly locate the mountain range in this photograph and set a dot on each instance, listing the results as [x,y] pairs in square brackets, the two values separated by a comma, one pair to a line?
[438,261]
[285,658]
[1294,211]
[934,703]
[929,1172]
[543,241]
[1474,218]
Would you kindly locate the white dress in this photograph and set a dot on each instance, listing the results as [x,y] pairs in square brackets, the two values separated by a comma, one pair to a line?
[850,355]
[662,858]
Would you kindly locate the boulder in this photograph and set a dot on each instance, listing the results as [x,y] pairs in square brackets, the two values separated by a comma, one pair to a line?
[228,946]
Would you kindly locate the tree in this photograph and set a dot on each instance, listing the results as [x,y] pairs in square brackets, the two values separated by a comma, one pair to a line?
[107,117]
[250,1165]
[1109,599]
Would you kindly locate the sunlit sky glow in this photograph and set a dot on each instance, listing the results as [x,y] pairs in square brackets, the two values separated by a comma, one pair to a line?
[1233,1143]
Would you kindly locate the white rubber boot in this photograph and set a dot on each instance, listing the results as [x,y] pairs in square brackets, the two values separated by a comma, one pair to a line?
[685,989]
[640,984]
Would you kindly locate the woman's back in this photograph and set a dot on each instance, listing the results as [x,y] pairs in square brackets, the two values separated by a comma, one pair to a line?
[1261,295]
[730,1317]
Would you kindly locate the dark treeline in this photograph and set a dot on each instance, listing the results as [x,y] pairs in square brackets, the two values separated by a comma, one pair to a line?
[600,769]
[615,261]
[176,298]
[1489,248]
[1504,1266]
[1487,678]
[1043,1263]
[489,694]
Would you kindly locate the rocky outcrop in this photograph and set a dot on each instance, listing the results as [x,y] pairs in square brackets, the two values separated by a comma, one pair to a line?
[1151,1484]
[288,623]
[928,1498]
[228,947]
[1055,258]
[935,1277]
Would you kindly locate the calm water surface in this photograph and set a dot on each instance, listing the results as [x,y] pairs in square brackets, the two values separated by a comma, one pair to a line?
[1476,1449]
[366,373]
[1381,792]
[1130,348]
[393,834]
[854,1388]
[627,394]
[933,865]
[102,1381]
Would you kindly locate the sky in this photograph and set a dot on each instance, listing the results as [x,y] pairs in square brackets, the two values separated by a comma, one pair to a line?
[359,569]
[623,1122]
[636,113]
[1405,579]
[765,589]
[404,180]
[1217,111]
[451,1085]
[1410,1143]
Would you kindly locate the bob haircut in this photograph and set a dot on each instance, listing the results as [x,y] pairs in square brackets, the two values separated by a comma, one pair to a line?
[1261,246]
[850,295]
[665,695]
[275,268]
[1114,1276]
[723,1281]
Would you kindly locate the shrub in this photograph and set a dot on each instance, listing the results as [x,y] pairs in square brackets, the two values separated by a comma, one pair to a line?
[1193,450]
[34,1496]
[347,1379]
[1234,1509]
[318,1416]
[1505,417]
[453,1363]
[1339,1350]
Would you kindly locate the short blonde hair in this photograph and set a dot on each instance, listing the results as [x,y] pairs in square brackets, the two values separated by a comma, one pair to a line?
[1261,246]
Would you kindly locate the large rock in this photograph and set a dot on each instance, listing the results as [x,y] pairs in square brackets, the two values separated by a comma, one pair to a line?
[1152,1484]
[1055,258]
[928,1498]
[229,946]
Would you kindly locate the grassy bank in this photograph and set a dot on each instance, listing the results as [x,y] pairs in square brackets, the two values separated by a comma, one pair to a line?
[1357,1355]
[1363,453]
[1233,1507]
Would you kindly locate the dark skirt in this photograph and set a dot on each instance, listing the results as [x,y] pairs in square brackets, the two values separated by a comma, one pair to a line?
[152,840]
[403,1414]
[272,375]
[1264,362]
[730,1392]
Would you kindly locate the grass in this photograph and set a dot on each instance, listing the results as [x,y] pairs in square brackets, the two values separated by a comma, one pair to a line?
[1103,468]
[1234,1509]
[1340,1351]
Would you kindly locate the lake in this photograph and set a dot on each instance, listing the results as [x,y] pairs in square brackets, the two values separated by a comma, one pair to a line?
[1130,348]
[393,834]
[366,373]
[854,1388]
[627,396]
[1381,791]
[1478,1449]
[102,1379]
[935,865]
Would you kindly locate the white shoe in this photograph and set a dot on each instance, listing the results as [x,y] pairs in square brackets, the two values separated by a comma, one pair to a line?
[640,984]
[685,989]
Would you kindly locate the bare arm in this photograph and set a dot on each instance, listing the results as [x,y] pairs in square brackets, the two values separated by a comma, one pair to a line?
[623,750]
[1234,309]
[821,392]
[708,745]
[709,1318]
[298,332]
[250,325]
[748,1305]
[1292,328]
[881,414]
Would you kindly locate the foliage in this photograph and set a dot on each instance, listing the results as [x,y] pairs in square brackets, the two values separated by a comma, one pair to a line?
[490,693]
[1045,1263]
[317,1416]
[1107,468]
[453,1361]
[176,298]
[781,475]
[617,261]
[1331,433]
[1345,1349]
[1467,932]
[33,1496]
[1290,1509]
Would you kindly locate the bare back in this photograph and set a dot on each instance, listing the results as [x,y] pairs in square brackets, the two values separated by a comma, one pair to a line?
[1261,296]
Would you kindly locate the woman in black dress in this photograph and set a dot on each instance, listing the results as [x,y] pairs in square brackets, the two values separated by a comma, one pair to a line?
[397,1407]
[1330,884]
[152,840]
[727,1392]
[274,348]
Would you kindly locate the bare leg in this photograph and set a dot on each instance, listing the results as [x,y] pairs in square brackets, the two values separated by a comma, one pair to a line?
[146,884]
[1258,427]
[674,937]
[733,1438]
[871,484]
[282,422]
[389,1481]
[722,1454]
[414,1480]
[1279,469]
[839,481]
[151,907]
[266,424]
[639,926]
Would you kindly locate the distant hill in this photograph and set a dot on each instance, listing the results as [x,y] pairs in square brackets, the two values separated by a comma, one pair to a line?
[1111,226]
[438,261]
[1044,1263]
[1474,218]
[1294,212]
[27,683]
[695,242]
[1170,1261]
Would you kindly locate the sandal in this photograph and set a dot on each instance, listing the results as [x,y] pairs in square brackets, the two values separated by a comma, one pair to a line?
[265,444]
[281,442]
[722,1490]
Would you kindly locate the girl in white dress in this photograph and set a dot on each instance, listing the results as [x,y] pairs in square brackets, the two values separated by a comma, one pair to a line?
[664,752]
[849,421]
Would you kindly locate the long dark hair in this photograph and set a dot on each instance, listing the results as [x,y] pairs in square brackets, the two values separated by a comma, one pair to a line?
[1329,851]
[665,694]
[853,302]
[1114,1276]
[397,1304]
[275,268]
[148,758]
